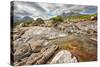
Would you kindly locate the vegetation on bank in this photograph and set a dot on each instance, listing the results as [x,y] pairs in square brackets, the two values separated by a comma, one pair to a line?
[24,23]
[56,20]
[80,17]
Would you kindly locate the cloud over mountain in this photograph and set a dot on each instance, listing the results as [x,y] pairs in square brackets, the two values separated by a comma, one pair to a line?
[47,10]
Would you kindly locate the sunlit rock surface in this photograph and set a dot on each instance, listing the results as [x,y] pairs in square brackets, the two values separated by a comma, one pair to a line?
[63,56]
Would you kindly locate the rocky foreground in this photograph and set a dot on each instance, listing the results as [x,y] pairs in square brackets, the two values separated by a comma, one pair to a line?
[54,45]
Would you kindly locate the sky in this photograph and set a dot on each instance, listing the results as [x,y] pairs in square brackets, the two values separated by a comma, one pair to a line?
[47,10]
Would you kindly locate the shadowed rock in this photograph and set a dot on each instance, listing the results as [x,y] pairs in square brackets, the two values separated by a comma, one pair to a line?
[43,56]
[21,52]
